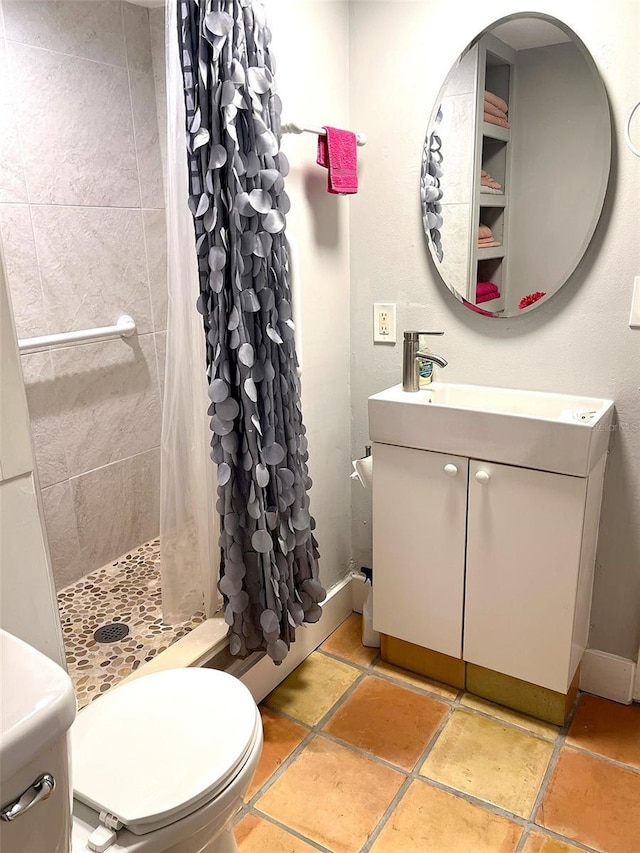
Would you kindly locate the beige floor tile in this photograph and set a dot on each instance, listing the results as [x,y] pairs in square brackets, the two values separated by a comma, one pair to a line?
[538,727]
[256,835]
[491,761]
[388,720]
[429,820]
[332,795]
[311,689]
[421,681]
[608,728]
[538,843]
[346,642]
[594,802]
[280,737]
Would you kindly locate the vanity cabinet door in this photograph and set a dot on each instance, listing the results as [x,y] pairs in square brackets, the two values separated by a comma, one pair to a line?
[419,531]
[523,558]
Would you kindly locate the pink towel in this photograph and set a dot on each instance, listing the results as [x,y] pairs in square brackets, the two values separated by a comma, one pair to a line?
[496,101]
[487,297]
[483,288]
[500,122]
[337,153]
[494,111]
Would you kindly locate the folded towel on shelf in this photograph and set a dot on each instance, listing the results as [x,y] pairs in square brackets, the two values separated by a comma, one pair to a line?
[496,101]
[483,288]
[488,244]
[484,231]
[488,297]
[492,190]
[337,152]
[500,122]
[494,111]
[487,180]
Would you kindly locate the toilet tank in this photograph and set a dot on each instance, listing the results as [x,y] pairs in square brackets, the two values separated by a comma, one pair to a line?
[37,707]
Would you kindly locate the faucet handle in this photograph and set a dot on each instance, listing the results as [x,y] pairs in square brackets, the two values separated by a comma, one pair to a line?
[413,336]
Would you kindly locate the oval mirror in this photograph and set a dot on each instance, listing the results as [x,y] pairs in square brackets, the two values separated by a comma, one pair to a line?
[515,165]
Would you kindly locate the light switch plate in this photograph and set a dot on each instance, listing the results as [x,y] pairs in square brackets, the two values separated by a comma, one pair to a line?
[384,322]
[634,318]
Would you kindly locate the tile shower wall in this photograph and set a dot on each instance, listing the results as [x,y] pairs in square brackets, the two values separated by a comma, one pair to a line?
[82,225]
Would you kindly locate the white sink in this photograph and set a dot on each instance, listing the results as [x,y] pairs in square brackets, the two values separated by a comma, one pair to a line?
[550,432]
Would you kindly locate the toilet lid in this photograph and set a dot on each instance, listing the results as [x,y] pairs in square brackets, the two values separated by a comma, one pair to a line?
[155,749]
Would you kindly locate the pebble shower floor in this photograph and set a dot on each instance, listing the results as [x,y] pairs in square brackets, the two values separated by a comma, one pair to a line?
[126,591]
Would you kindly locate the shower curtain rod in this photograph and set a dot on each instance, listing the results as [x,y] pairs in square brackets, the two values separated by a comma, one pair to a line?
[291,127]
[125,327]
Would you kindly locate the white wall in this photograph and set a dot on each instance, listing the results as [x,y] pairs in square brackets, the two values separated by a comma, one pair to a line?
[578,342]
[28,606]
[311,48]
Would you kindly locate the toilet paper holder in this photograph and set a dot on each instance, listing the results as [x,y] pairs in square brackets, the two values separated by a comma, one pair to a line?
[363,468]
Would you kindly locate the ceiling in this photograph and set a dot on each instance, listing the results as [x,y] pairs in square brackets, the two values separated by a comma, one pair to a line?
[526,33]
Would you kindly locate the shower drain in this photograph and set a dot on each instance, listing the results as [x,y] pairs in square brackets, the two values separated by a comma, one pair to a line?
[111,633]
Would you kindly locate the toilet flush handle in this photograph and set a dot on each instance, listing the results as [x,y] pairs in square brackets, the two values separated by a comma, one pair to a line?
[42,788]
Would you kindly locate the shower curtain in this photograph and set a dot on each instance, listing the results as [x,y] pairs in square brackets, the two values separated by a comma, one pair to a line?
[189,528]
[269,567]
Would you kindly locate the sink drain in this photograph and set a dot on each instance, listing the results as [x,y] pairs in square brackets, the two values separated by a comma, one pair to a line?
[111,633]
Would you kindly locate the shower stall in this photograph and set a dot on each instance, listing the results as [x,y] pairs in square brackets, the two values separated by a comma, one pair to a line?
[93,178]
[83,227]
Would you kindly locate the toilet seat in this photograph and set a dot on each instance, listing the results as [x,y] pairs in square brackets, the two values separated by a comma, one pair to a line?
[160,747]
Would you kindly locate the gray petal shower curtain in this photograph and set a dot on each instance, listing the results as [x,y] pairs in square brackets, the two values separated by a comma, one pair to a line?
[269,566]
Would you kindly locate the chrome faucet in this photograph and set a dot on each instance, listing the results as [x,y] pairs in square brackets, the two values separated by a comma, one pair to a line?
[411,356]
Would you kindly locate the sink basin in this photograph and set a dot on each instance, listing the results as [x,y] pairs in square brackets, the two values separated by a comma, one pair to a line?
[562,433]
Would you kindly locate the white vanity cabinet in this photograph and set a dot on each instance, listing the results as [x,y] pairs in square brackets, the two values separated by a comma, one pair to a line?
[487,562]
[419,533]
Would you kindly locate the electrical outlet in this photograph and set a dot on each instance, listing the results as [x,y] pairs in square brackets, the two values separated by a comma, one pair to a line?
[384,322]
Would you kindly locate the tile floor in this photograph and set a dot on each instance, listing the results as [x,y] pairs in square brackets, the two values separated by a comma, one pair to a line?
[360,755]
[127,590]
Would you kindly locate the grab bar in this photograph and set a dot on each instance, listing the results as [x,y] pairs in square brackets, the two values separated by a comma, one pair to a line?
[125,327]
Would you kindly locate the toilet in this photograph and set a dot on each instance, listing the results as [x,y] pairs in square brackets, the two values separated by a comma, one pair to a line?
[158,765]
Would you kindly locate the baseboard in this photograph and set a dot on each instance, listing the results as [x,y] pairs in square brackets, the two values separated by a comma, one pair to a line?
[609,676]
[636,688]
[264,676]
